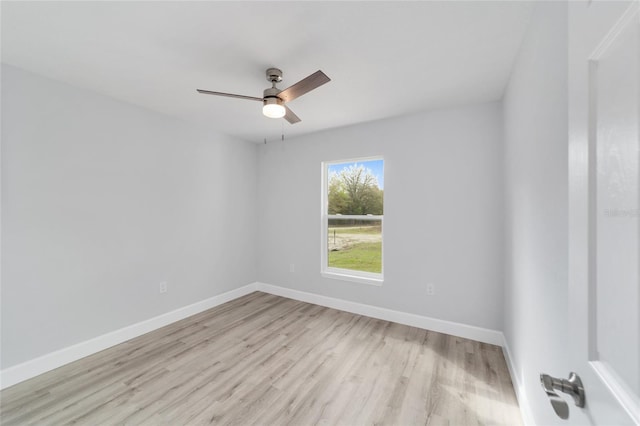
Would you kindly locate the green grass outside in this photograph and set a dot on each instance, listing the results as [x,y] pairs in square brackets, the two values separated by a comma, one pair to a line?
[366,257]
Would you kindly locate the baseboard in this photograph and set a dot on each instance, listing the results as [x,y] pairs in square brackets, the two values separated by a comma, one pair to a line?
[34,367]
[518,386]
[21,372]
[456,329]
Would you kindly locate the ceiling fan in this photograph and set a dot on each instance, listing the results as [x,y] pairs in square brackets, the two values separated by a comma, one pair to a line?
[274,99]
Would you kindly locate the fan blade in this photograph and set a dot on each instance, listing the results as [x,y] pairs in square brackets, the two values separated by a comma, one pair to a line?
[290,116]
[305,85]
[230,95]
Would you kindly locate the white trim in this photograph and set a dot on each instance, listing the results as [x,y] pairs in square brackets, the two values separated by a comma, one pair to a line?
[521,393]
[627,18]
[346,275]
[355,160]
[618,388]
[21,372]
[456,329]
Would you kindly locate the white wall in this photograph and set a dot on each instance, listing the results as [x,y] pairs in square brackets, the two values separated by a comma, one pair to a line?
[536,194]
[101,201]
[443,220]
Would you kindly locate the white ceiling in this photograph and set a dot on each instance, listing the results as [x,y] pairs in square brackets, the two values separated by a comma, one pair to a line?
[384,58]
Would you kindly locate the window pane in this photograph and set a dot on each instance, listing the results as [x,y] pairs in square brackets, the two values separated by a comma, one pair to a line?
[355,187]
[355,244]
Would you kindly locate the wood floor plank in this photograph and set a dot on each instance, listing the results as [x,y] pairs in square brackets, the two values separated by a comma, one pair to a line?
[264,359]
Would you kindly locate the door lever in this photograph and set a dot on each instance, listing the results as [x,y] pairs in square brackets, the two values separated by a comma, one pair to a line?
[572,386]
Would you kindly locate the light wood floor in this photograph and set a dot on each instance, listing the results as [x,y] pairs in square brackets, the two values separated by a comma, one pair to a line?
[263,359]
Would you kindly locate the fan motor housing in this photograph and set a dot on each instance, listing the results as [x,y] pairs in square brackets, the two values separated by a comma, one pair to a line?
[271,92]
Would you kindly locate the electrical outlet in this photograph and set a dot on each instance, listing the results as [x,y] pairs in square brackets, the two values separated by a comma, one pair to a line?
[431,289]
[163,287]
[292,267]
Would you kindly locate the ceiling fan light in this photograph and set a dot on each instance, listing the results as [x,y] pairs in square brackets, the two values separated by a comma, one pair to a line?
[273,108]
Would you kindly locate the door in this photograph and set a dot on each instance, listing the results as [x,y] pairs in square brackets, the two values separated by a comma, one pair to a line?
[604,209]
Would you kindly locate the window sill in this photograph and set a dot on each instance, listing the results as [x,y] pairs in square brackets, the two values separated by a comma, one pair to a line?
[353,278]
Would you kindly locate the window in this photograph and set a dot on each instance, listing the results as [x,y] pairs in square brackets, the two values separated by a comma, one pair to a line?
[352,219]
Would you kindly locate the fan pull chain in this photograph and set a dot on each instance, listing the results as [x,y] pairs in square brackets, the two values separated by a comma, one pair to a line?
[283,131]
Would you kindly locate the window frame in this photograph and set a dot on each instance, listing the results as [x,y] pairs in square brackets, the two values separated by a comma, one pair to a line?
[343,274]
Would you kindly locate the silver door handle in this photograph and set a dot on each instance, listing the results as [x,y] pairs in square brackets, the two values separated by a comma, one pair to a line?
[572,386]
